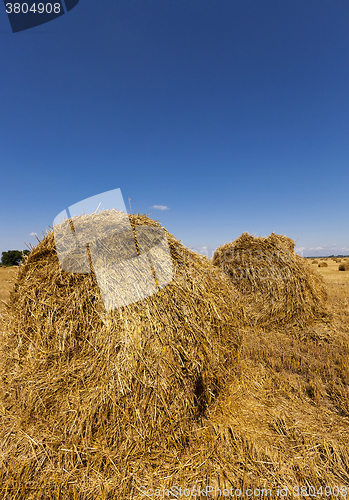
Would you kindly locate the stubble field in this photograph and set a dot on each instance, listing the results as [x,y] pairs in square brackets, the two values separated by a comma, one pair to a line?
[285,421]
[7,278]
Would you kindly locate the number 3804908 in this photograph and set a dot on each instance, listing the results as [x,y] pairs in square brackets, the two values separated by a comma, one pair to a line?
[40,8]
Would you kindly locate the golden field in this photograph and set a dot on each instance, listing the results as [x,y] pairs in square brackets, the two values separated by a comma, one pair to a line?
[282,423]
[7,277]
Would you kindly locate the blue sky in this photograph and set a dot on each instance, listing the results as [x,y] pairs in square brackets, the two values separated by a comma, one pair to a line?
[233,114]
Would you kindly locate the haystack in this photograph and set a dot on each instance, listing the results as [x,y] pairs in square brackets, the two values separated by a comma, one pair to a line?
[322,264]
[95,393]
[343,267]
[279,286]
[314,262]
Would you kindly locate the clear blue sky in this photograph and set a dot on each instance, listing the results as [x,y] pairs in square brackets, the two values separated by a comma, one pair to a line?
[234,114]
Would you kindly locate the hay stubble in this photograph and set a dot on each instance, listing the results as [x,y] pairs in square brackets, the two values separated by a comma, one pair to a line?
[281,419]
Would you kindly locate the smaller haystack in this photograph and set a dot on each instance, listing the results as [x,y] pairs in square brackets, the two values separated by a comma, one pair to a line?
[343,267]
[279,286]
[314,262]
[322,264]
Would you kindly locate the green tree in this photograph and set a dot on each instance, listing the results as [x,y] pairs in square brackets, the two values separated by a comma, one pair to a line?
[13,257]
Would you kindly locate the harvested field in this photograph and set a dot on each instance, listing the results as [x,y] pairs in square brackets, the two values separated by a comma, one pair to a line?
[280,418]
[7,278]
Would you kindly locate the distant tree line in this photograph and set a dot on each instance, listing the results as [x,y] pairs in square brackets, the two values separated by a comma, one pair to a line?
[327,256]
[13,257]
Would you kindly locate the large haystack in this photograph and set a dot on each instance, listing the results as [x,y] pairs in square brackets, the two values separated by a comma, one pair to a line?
[279,286]
[96,394]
